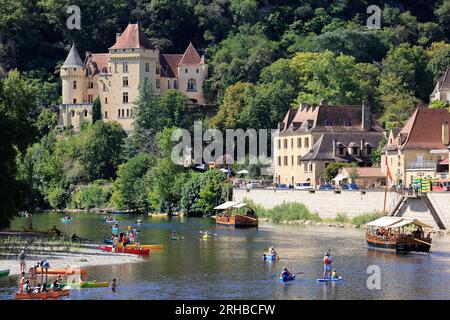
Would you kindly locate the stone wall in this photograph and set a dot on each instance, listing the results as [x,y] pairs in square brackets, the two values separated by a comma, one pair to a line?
[328,204]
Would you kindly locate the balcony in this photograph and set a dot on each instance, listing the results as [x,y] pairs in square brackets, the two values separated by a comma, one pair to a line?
[421,165]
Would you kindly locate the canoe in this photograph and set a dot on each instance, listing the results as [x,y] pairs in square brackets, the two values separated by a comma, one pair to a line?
[144,246]
[4,273]
[66,220]
[127,250]
[329,279]
[68,271]
[173,238]
[286,279]
[51,294]
[112,221]
[269,257]
[86,284]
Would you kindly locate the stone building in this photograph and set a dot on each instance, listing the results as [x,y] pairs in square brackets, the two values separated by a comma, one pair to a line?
[309,138]
[442,89]
[115,77]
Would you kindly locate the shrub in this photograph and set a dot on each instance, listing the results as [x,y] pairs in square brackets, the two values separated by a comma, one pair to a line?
[366,217]
[92,196]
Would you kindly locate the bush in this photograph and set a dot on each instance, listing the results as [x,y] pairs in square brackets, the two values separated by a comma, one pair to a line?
[366,217]
[92,196]
[288,211]
[342,217]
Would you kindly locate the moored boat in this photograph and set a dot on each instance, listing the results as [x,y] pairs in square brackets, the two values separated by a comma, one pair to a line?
[139,251]
[68,271]
[51,294]
[143,246]
[394,234]
[4,273]
[86,284]
[236,219]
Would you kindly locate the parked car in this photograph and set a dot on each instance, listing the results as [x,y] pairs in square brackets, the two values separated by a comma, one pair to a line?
[303,186]
[327,187]
[350,186]
[283,187]
[253,185]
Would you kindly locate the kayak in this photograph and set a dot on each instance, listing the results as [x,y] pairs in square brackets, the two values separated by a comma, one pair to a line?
[112,221]
[288,278]
[4,273]
[329,279]
[127,250]
[66,220]
[268,257]
[86,284]
[173,238]
[62,271]
[115,230]
[51,294]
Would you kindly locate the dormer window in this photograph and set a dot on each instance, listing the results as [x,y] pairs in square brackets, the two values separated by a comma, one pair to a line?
[328,123]
[125,67]
[355,150]
[347,123]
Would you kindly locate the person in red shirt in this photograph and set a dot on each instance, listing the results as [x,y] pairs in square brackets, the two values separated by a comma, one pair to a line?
[327,260]
[124,242]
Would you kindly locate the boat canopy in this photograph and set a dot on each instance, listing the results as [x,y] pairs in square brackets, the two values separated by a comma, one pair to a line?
[230,204]
[396,222]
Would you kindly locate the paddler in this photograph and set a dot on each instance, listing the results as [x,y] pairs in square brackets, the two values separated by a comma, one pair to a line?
[286,273]
[327,260]
[114,285]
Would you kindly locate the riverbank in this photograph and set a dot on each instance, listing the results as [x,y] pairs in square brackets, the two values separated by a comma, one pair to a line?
[86,255]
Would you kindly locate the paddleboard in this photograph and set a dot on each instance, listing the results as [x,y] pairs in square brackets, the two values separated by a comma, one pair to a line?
[330,279]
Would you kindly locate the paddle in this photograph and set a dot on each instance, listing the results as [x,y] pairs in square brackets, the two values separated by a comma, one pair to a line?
[209,233]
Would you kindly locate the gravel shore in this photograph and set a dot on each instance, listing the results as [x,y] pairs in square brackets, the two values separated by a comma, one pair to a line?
[87,255]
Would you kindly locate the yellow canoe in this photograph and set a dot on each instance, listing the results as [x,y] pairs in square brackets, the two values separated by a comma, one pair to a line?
[144,246]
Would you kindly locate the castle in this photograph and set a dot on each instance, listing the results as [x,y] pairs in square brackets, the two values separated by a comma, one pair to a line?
[115,77]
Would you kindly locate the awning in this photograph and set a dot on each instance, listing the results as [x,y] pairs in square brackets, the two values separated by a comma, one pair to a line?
[242,172]
[230,204]
[339,177]
[396,222]
[444,161]
[384,222]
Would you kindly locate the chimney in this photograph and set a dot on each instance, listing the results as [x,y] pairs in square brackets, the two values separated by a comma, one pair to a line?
[323,102]
[445,133]
[118,36]
[366,120]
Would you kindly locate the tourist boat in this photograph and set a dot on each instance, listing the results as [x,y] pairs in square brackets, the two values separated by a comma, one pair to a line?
[395,234]
[51,294]
[68,271]
[135,250]
[235,219]
[4,273]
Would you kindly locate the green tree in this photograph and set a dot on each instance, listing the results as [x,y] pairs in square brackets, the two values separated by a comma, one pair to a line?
[332,169]
[96,110]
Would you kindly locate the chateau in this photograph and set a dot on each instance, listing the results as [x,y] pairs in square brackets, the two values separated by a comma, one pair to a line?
[115,77]
[309,138]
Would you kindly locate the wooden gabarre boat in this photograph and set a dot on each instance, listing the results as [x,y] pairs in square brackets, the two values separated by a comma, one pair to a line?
[388,233]
[126,250]
[51,294]
[237,221]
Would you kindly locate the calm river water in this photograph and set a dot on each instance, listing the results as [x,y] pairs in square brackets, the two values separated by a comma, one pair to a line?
[230,266]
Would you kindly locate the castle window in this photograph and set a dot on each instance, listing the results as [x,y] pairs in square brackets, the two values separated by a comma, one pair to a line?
[185,70]
[158,83]
[125,97]
[74,100]
[175,84]
[90,98]
[72,113]
[106,114]
[125,67]
[90,85]
[158,70]
[125,81]
[147,67]
[104,87]
[118,113]
[197,70]
[168,84]
[191,85]
[106,100]
[85,113]
[74,86]
[128,112]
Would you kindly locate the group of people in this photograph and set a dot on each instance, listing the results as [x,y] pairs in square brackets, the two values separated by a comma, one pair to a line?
[25,283]
[124,238]
[328,271]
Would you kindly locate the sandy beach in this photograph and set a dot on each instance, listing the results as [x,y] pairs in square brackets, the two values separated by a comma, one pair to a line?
[87,255]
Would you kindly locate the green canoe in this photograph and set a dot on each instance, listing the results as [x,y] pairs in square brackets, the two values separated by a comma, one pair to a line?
[86,284]
[4,273]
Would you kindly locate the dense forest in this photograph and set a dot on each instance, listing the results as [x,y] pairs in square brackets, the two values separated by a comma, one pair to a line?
[264,57]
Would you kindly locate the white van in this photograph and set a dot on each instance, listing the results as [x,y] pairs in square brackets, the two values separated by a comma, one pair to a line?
[303,186]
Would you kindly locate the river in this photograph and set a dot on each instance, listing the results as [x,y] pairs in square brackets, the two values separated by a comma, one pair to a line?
[230,265]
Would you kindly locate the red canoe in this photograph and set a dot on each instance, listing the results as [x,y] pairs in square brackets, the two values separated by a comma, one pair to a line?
[127,250]
[52,294]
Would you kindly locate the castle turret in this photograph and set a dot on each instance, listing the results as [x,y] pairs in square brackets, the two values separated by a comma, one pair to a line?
[192,71]
[73,76]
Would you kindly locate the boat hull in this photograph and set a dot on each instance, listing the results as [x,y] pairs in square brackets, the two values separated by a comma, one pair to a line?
[237,221]
[4,273]
[42,295]
[126,250]
[405,244]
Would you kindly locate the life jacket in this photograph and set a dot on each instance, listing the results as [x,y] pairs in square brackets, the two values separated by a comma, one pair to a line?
[326,260]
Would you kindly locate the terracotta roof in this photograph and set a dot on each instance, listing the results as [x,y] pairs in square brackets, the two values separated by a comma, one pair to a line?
[326,118]
[424,129]
[190,56]
[99,61]
[133,37]
[169,64]
[73,58]
[366,171]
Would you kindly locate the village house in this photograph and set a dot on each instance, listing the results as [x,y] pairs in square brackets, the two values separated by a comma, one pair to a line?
[442,89]
[309,138]
[419,149]
[364,177]
[115,77]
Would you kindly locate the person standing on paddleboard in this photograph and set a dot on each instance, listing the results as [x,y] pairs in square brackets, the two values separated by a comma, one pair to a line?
[327,261]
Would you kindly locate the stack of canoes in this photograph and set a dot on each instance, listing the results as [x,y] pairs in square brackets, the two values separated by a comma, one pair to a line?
[4,273]
[51,294]
[134,250]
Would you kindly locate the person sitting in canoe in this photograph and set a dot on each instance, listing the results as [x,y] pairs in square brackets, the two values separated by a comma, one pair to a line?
[22,281]
[272,252]
[44,288]
[286,273]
